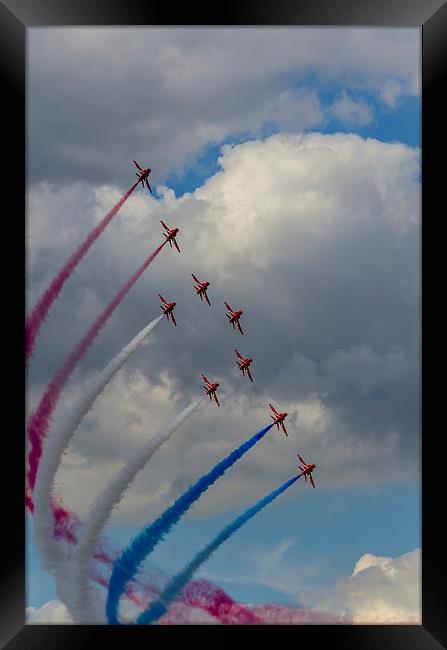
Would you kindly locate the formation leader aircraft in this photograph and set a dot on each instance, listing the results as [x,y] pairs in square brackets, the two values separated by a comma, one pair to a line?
[234,317]
[201,288]
[171,236]
[307,470]
[143,175]
[168,308]
[279,418]
[244,365]
[211,389]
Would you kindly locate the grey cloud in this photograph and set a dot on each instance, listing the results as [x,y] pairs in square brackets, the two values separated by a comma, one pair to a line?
[360,369]
[97,98]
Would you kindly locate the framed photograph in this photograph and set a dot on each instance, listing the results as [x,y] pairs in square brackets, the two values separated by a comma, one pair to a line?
[223,323]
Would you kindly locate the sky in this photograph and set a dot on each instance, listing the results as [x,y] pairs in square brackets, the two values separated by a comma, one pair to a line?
[290,160]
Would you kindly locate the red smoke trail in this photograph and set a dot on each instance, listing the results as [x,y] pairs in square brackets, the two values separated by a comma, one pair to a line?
[289,615]
[214,600]
[65,523]
[50,294]
[40,419]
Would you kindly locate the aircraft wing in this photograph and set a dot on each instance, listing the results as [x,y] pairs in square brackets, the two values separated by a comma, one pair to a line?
[273,409]
[248,373]
[196,279]
[138,166]
[165,226]
[228,307]
[239,355]
[207,299]
[173,319]
[301,459]
[311,480]
[162,299]
[206,380]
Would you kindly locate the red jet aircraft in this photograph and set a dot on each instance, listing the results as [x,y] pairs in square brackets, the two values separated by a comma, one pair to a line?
[170,237]
[168,308]
[142,176]
[234,317]
[201,289]
[307,470]
[211,389]
[244,365]
[279,418]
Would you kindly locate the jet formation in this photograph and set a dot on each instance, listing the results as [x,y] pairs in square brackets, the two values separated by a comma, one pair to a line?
[233,316]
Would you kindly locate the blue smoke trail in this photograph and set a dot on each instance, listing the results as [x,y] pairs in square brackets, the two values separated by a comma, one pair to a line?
[160,606]
[126,566]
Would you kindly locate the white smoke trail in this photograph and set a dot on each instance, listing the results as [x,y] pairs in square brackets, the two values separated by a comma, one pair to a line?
[83,607]
[55,553]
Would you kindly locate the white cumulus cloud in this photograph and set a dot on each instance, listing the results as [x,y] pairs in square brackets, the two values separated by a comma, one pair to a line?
[50,613]
[380,590]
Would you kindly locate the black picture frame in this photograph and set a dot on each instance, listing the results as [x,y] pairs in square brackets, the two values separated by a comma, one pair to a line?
[18,15]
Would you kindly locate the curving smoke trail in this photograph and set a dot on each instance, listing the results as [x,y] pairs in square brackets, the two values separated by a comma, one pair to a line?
[40,418]
[82,607]
[159,607]
[50,294]
[198,594]
[127,565]
[48,514]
